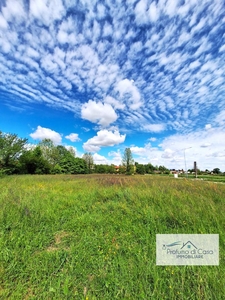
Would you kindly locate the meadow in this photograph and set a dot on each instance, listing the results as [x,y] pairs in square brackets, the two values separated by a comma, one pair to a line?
[93,237]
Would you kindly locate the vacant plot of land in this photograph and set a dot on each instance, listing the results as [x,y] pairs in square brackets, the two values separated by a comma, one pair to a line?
[93,237]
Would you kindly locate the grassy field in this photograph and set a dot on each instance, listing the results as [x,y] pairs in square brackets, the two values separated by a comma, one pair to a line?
[93,237]
[213,178]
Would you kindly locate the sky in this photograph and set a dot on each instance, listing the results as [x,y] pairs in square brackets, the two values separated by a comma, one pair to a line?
[102,76]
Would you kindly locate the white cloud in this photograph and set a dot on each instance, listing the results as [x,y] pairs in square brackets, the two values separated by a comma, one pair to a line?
[115,103]
[208,126]
[153,12]
[177,68]
[179,151]
[98,112]
[205,145]
[140,150]
[5,46]
[99,159]
[152,139]
[73,137]
[127,87]
[168,153]
[32,52]
[46,11]
[45,133]
[85,129]
[146,154]
[104,138]
[14,11]
[101,10]
[194,64]
[140,11]
[107,31]
[62,37]
[116,157]
[3,23]
[171,7]
[49,65]
[154,127]
[222,48]
[220,118]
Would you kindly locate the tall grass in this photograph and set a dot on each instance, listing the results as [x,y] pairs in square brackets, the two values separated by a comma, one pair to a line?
[93,237]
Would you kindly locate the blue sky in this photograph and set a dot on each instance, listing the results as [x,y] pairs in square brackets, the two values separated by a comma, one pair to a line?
[105,75]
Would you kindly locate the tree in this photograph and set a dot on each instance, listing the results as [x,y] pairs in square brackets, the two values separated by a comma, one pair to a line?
[80,166]
[65,161]
[140,169]
[163,170]
[101,168]
[122,170]
[149,168]
[216,171]
[72,151]
[128,161]
[32,162]
[89,161]
[111,169]
[49,151]
[11,147]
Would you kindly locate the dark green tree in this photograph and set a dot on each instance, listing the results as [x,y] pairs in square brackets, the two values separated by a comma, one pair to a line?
[101,169]
[80,166]
[128,161]
[11,148]
[32,162]
[216,171]
[163,170]
[64,161]
[67,163]
[122,170]
[111,169]
[140,169]
[149,168]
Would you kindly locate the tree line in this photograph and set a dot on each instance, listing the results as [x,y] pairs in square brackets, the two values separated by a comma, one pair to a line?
[18,157]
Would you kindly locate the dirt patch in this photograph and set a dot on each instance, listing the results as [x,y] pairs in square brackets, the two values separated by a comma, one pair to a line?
[59,240]
[60,236]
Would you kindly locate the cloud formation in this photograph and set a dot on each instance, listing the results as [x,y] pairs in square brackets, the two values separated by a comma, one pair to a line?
[142,66]
[97,112]
[42,133]
[127,89]
[73,137]
[104,138]
[65,52]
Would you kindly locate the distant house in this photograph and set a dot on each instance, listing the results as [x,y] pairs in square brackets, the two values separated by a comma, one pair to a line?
[173,171]
[116,169]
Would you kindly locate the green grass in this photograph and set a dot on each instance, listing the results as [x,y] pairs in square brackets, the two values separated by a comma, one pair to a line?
[93,237]
[214,178]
